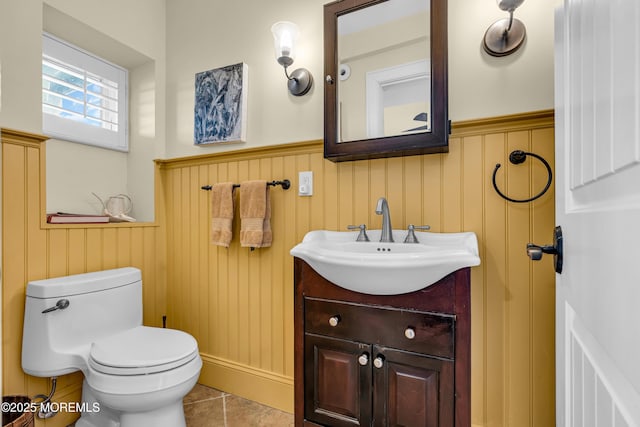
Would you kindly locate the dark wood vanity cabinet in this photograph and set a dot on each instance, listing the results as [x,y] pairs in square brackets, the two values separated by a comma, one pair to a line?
[368,360]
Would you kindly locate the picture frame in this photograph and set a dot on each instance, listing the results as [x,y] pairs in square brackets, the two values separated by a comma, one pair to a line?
[220,112]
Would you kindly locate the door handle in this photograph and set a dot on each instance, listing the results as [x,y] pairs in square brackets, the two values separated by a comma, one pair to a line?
[535,252]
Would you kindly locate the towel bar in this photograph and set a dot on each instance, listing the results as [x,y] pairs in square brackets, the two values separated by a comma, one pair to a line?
[285,183]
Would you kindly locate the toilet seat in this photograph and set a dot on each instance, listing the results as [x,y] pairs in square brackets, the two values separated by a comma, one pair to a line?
[141,351]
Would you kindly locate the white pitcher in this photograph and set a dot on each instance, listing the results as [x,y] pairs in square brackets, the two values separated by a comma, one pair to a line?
[116,206]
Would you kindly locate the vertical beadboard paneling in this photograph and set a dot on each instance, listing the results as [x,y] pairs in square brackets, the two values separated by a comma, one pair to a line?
[473,187]
[494,264]
[290,233]
[93,243]
[212,343]
[517,397]
[173,251]
[278,289]
[249,295]
[109,248]
[395,191]
[431,186]
[36,237]
[57,253]
[34,251]
[202,256]
[14,268]
[262,317]
[412,191]
[452,171]
[377,188]
[77,251]
[543,285]
[359,194]
[318,219]
[123,247]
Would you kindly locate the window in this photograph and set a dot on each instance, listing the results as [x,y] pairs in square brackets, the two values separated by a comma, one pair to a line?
[84,98]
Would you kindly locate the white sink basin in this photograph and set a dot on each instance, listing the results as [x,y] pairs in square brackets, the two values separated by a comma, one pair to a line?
[386,268]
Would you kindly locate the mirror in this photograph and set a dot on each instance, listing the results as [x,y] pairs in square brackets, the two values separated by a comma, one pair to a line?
[385,78]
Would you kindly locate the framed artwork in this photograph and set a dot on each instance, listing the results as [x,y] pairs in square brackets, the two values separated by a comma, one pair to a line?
[220,113]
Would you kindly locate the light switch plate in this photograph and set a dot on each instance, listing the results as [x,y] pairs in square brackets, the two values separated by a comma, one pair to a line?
[305,183]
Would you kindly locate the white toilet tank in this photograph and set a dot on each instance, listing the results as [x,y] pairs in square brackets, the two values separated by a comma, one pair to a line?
[84,307]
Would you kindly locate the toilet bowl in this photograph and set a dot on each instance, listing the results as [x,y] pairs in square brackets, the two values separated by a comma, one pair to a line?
[134,375]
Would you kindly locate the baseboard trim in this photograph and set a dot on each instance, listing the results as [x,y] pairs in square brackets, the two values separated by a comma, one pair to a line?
[246,381]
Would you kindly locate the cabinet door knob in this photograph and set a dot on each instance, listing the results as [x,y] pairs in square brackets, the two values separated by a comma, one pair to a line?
[378,362]
[334,320]
[363,359]
[410,333]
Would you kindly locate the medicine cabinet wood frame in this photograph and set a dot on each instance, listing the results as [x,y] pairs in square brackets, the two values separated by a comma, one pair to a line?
[434,141]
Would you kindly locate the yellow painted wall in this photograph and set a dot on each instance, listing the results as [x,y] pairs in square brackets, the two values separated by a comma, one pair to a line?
[34,250]
[239,304]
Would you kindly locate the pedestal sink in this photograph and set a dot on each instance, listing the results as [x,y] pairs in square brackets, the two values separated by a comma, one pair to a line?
[386,268]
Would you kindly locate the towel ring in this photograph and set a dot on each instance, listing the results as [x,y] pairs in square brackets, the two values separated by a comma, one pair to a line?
[516,157]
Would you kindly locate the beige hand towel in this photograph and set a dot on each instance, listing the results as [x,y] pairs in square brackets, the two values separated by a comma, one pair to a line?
[255,214]
[222,214]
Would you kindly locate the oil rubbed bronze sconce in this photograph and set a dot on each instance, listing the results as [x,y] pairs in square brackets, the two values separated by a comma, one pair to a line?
[505,36]
[284,38]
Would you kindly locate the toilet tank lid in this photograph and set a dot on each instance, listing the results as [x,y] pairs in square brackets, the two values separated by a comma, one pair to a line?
[83,283]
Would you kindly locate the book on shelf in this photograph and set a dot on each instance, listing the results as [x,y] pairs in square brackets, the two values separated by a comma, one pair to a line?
[71,218]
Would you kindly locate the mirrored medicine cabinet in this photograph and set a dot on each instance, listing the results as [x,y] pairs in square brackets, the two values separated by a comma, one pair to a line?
[385,64]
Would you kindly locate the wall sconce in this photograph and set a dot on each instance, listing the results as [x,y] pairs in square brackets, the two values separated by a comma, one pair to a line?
[505,36]
[284,38]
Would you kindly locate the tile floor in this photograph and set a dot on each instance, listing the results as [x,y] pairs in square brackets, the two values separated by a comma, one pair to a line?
[208,407]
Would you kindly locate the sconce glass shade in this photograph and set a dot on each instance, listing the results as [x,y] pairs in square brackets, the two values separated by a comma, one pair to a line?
[285,35]
[284,38]
[509,5]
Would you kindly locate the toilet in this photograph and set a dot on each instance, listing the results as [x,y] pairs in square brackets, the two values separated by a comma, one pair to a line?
[134,375]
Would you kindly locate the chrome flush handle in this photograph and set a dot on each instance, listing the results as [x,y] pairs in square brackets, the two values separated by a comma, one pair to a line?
[60,305]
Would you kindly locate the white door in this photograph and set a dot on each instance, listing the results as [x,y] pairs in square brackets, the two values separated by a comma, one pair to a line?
[598,208]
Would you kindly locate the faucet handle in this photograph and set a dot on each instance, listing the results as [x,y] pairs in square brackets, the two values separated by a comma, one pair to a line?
[411,235]
[362,236]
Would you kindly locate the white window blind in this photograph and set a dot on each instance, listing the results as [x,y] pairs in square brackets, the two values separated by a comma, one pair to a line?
[84,98]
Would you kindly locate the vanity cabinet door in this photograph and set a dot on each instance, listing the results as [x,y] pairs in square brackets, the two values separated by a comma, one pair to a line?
[411,390]
[338,381]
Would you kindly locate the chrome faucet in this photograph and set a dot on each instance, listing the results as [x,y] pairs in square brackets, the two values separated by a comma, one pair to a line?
[383,209]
